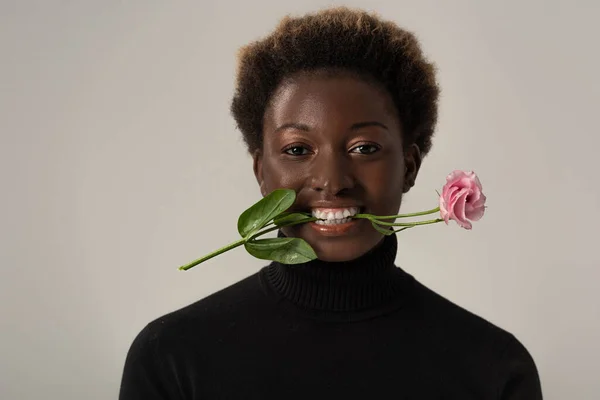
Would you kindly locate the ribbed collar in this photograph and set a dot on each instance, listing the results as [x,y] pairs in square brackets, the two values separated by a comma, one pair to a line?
[369,282]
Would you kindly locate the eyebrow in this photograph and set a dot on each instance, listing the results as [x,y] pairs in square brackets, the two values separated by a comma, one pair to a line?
[293,125]
[306,128]
[368,123]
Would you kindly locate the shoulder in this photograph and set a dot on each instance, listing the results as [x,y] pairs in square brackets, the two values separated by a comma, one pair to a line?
[518,373]
[460,328]
[440,311]
[206,314]
[473,340]
[195,327]
[157,359]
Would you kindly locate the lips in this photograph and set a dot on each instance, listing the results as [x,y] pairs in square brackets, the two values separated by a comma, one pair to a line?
[335,220]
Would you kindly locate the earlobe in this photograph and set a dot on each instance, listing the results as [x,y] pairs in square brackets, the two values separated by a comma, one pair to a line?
[412,164]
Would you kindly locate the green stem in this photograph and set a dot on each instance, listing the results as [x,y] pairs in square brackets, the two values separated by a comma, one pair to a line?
[431,221]
[378,217]
[260,233]
[274,228]
[401,229]
[213,254]
[239,243]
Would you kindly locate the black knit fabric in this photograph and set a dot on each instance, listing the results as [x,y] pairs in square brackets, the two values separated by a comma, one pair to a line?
[363,329]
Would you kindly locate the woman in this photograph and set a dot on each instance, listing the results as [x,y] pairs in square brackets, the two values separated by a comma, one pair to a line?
[339,106]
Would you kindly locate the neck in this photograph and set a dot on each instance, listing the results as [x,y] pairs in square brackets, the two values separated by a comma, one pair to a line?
[364,283]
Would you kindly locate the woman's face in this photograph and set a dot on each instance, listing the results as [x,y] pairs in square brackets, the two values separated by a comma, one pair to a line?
[337,142]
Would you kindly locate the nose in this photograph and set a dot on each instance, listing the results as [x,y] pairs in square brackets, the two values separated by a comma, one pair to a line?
[332,174]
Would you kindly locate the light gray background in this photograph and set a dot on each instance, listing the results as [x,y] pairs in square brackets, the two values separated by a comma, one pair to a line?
[120,162]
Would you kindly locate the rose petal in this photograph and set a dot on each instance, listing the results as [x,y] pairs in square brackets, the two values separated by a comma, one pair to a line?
[474,214]
[479,202]
[476,194]
[444,214]
[476,180]
[455,176]
[445,201]
[454,193]
[462,198]
[475,211]
[459,209]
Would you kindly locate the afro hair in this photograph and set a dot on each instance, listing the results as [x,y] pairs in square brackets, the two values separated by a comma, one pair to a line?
[338,39]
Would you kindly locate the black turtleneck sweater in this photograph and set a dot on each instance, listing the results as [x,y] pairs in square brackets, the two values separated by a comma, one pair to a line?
[363,329]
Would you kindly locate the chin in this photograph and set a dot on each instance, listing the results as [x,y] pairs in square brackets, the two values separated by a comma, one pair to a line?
[337,248]
[333,257]
[344,250]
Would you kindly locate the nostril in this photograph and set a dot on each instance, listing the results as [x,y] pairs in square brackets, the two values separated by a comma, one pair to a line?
[334,184]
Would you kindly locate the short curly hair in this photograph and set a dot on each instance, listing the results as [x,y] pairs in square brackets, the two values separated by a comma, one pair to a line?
[338,39]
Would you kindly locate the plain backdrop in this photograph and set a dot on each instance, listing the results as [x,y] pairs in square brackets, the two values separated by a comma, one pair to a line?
[119,162]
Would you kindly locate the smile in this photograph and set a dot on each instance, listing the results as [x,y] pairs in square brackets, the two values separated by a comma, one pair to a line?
[334,216]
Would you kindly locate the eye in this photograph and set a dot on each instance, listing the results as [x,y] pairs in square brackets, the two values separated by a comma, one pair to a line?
[365,149]
[296,150]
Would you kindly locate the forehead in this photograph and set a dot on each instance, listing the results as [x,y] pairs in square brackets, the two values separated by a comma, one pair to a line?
[320,99]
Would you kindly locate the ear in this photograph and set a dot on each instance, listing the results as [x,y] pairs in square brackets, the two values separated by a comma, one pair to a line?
[258,172]
[412,164]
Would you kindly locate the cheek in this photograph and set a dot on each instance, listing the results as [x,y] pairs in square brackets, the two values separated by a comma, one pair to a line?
[383,184]
[277,175]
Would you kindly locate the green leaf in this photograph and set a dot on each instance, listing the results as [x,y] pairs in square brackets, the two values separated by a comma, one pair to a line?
[257,216]
[293,218]
[283,250]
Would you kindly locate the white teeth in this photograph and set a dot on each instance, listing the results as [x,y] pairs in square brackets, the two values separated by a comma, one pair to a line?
[334,217]
[333,221]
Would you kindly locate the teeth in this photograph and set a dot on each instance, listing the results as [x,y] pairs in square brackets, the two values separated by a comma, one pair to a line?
[334,217]
[333,221]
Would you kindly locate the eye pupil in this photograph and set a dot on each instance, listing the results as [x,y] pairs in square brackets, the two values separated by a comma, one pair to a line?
[366,149]
[296,151]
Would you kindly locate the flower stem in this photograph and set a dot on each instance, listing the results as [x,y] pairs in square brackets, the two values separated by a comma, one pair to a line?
[239,243]
[213,254]
[274,228]
[377,217]
[410,224]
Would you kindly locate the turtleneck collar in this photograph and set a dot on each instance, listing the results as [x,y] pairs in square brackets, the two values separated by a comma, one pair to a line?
[367,283]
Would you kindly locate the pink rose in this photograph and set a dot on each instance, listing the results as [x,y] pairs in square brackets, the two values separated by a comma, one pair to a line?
[462,199]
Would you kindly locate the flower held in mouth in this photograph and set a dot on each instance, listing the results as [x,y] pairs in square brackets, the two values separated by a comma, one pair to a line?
[461,200]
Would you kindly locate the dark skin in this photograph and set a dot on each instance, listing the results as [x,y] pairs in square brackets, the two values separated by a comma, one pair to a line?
[337,141]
